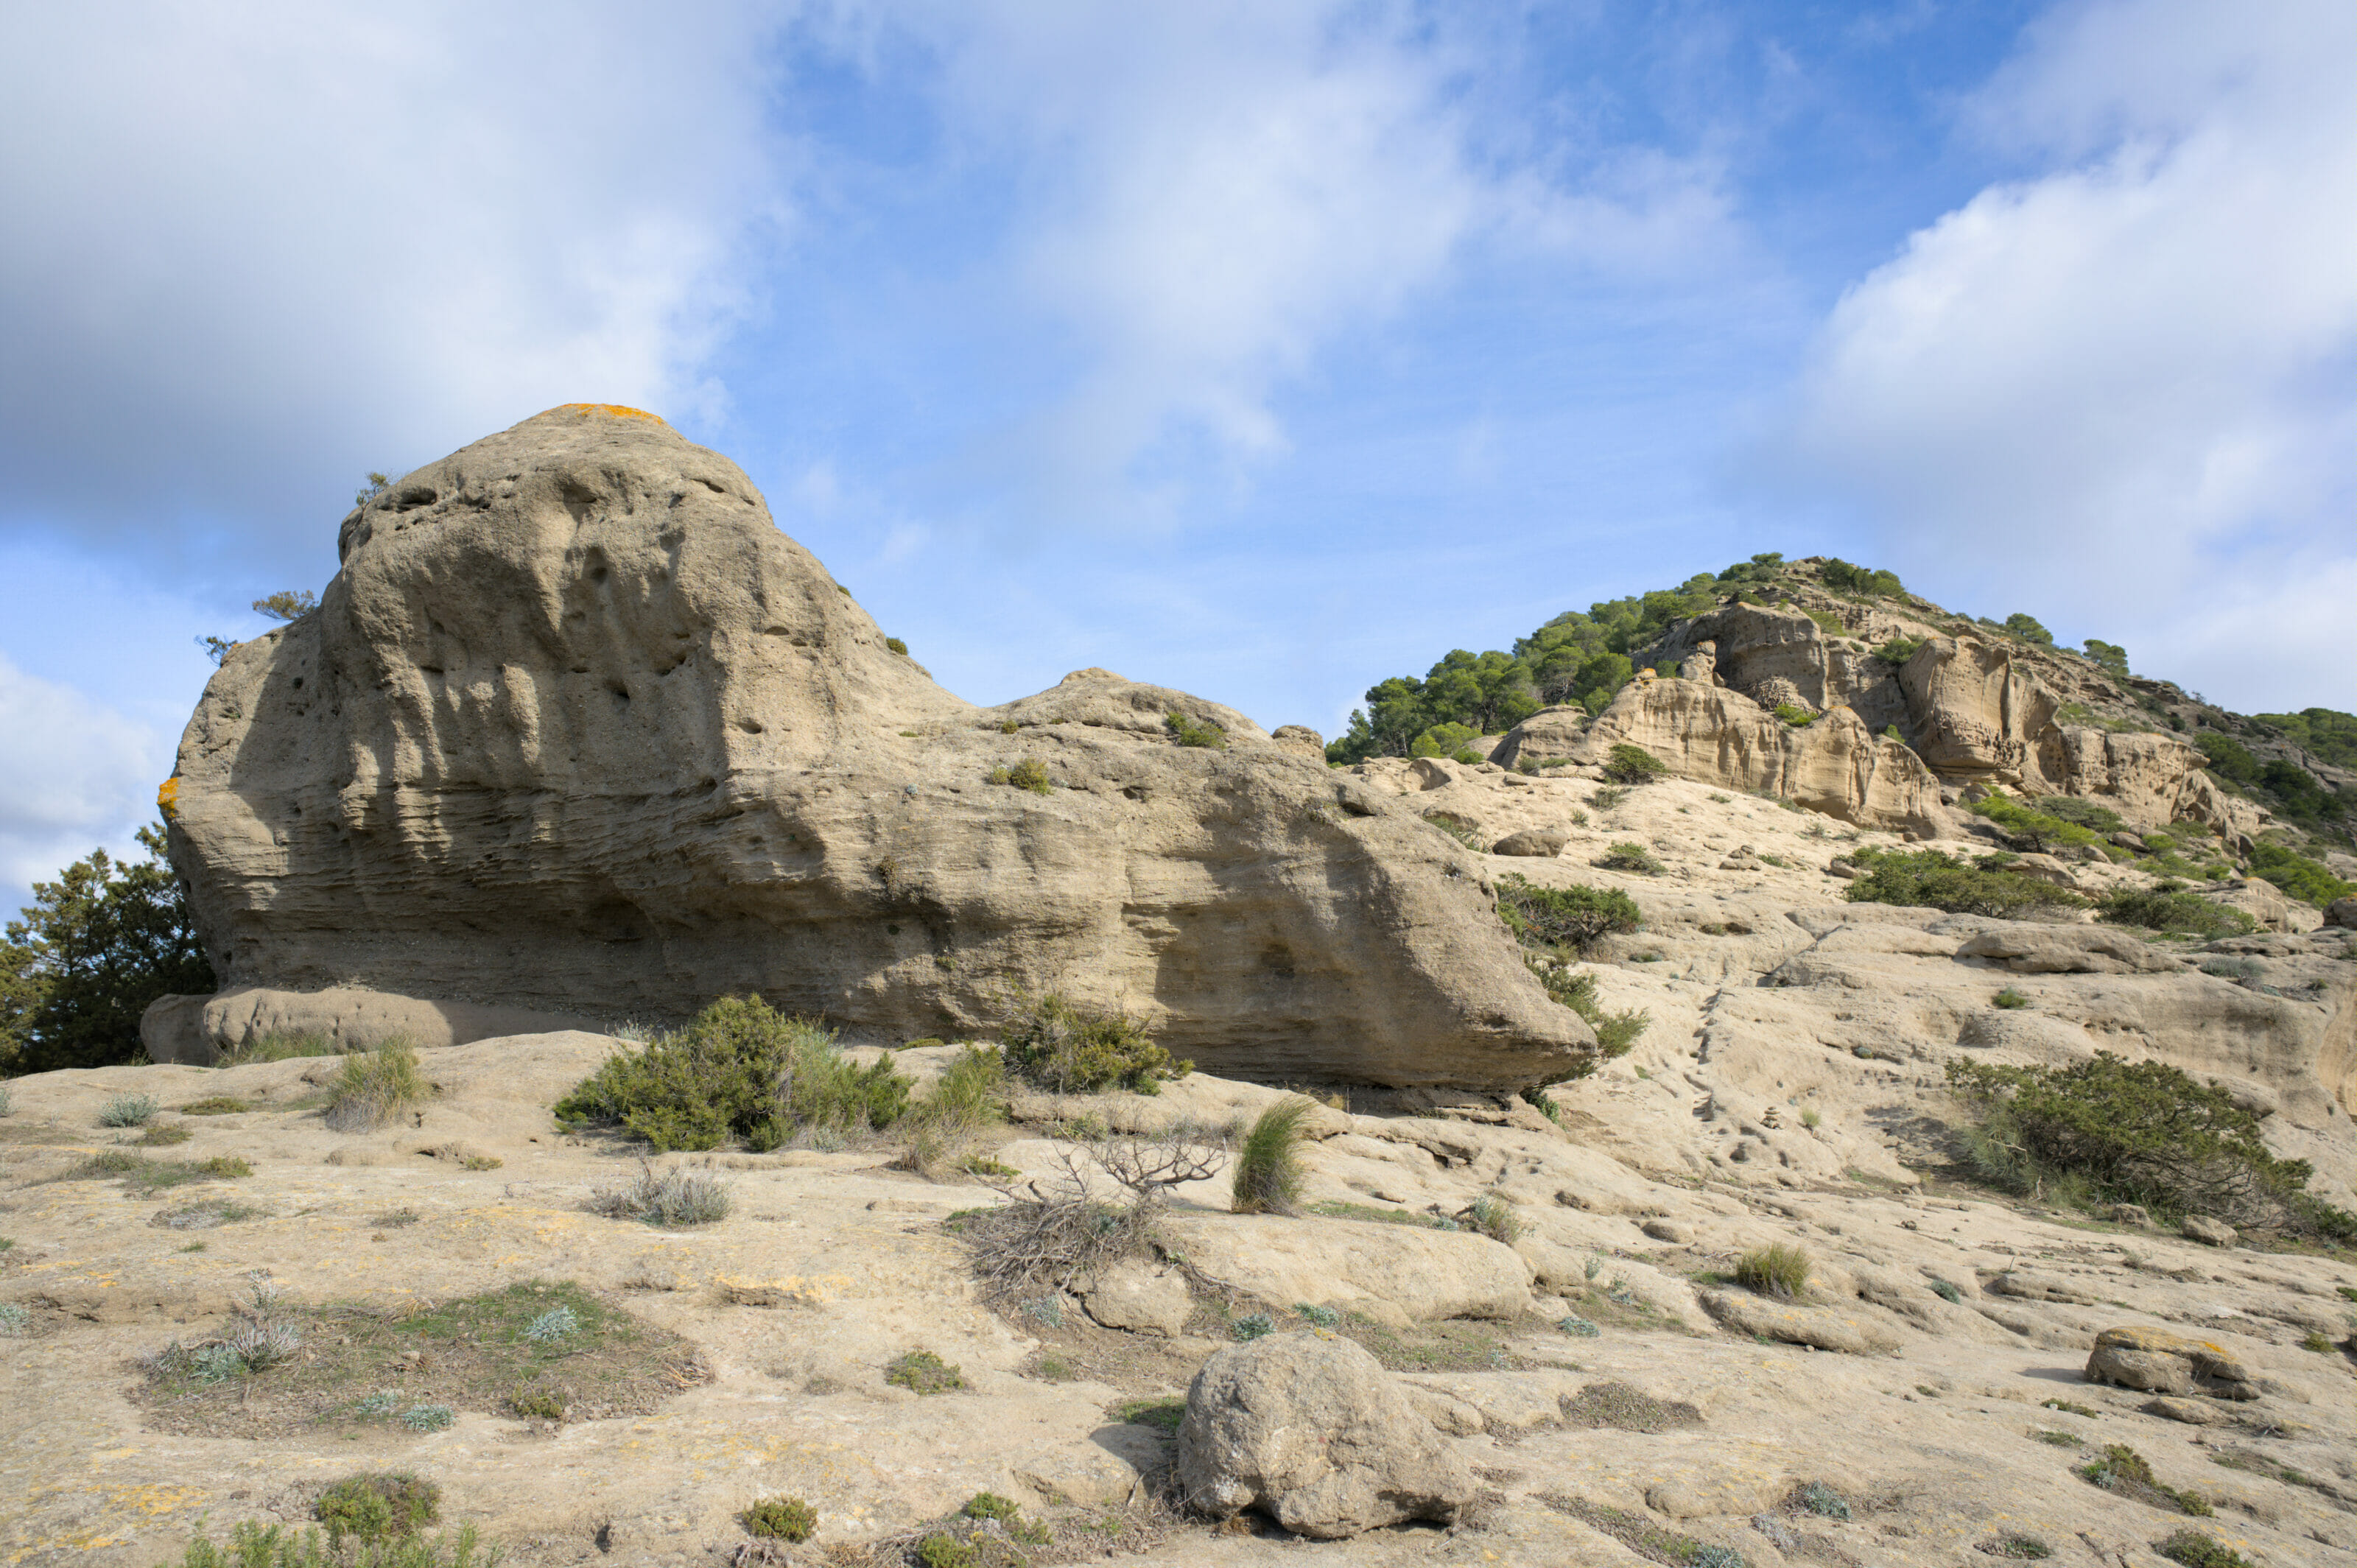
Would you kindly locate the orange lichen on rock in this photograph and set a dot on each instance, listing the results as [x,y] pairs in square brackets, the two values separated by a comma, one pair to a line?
[617,409]
[167,796]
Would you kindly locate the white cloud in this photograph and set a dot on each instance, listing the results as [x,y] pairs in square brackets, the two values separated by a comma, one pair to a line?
[2128,375]
[74,775]
[256,248]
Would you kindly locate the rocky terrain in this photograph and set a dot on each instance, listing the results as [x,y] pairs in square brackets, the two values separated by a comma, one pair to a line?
[576,743]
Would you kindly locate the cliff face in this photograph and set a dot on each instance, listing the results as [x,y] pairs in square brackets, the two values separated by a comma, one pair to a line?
[577,729]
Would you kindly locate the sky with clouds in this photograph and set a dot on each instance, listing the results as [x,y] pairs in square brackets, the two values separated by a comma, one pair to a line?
[1260,347]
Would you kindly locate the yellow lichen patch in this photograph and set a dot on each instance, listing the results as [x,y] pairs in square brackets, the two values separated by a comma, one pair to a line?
[153,1501]
[615,409]
[791,1291]
[167,796]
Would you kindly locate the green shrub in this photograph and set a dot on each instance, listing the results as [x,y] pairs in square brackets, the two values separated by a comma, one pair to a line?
[2028,630]
[375,1087]
[2010,998]
[216,1105]
[1829,623]
[2296,875]
[1899,649]
[1570,918]
[2017,1547]
[2196,1550]
[1616,1033]
[1844,578]
[2136,1133]
[1630,764]
[922,1372]
[1823,1500]
[779,1519]
[1443,740]
[1189,731]
[739,1071]
[1028,774]
[1493,1216]
[1061,1046]
[1633,857]
[1607,799]
[941,1549]
[1268,1175]
[1929,878]
[1776,1270]
[1253,1326]
[128,1110]
[2124,1470]
[2169,909]
[2086,813]
[990,1505]
[1795,715]
[161,1137]
[378,1506]
[2035,830]
[897,646]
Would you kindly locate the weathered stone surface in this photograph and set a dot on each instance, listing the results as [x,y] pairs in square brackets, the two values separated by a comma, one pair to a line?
[2160,1362]
[1826,1328]
[1310,1429]
[2208,1232]
[197,1029]
[2027,949]
[1141,1298]
[580,730]
[2031,1284]
[2342,913]
[1393,1274]
[1531,842]
[1837,765]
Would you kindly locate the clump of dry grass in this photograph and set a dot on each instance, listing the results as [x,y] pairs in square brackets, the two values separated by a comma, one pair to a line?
[376,1086]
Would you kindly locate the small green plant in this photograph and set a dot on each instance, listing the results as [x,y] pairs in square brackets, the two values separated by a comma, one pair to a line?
[1189,731]
[7,1101]
[1165,1415]
[1268,1175]
[163,1137]
[1028,774]
[1811,1118]
[1253,1326]
[2122,1470]
[375,1087]
[895,645]
[217,1105]
[1947,1290]
[2319,1343]
[2058,1439]
[1821,1500]
[1633,857]
[1628,764]
[990,1505]
[1069,1049]
[127,1110]
[1579,1327]
[16,1320]
[369,1407]
[385,1505]
[941,1549]
[2017,1547]
[671,1199]
[2067,1407]
[1317,1316]
[1493,1216]
[1795,715]
[428,1417]
[1775,1270]
[1460,830]
[2009,999]
[779,1519]
[922,1372]
[254,1545]
[738,1070]
[1933,879]
[2196,1550]
[556,1323]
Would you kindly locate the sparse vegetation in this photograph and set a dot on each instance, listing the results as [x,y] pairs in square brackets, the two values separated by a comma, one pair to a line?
[1630,765]
[922,1372]
[967,1100]
[1492,1214]
[1567,919]
[1028,774]
[378,1506]
[739,1071]
[2196,1550]
[2122,1470]
[1633,857]
[2168,908]
[1268,1174]
[2010,998]
[216,1105]
[376,1086]
[127,1110]
[1061,1046]
[894,645]
[672,1198]
[779,1519]
[278,1046]
[146,1177]
[1776,1270]
[1794,715]
[1821,1500]
[1625,1408]
[2113,1131]
[1611,798]
[1190,731]
[252,1544]
[2017,1547]
[1933,879]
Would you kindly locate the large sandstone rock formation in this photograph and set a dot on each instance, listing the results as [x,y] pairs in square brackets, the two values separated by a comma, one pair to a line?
[577,729]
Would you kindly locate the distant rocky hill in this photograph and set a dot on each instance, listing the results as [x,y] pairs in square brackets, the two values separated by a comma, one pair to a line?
[1832,684]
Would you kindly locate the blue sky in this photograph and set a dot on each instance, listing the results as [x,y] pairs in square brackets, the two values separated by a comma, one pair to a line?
[1263,349]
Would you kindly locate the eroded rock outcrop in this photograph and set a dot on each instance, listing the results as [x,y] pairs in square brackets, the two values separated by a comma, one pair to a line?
[576,729]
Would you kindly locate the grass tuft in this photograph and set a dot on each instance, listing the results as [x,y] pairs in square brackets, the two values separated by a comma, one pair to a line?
[779,1519]
[922,1372]
[668,1199]
[1776,1270]
[1268,1174]
[385,1505]
[128,1110]
[375,1087]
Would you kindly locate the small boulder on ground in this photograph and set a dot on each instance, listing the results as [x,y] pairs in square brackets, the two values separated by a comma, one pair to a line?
[1793,1324]
[2160,1362]
[1535,843]
[2208,1232]
[2342,913]
[1309,1429]
[1143,1299]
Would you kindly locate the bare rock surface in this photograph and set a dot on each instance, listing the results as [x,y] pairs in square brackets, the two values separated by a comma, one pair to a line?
[583,734]
[1310,1429]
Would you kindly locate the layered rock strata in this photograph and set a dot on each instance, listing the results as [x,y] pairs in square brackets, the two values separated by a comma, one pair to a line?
[577,729]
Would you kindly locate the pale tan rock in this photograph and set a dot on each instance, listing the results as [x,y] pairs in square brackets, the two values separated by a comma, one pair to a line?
[583,734]
[1309,1429]
[197,1029]
[1794,1324]
[2026,948]
[2158,1361]
[1531,842]
[1393,1274]
[2031,1284]
[1141,1298]
[2208,1232]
